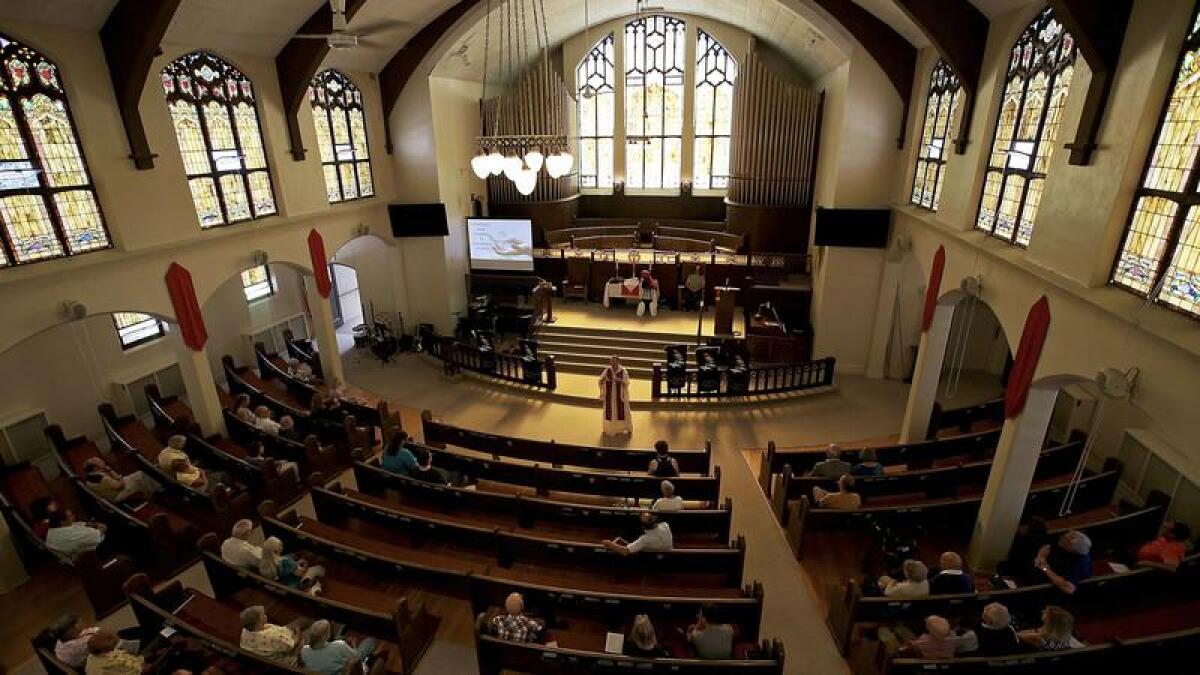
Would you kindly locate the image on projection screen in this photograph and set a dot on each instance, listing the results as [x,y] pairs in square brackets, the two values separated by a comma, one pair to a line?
[497,244]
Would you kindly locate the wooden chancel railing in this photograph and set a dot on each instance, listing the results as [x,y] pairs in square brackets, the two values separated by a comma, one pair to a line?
[756,381]
[458,356]
[776,131]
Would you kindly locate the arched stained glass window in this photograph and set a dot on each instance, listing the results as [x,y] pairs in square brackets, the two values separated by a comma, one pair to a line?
[1162,242]
[48,206]
[341,136]
[1035,91]
[595,82]
[216,121]
[716,71]
[654,100]
[941,108]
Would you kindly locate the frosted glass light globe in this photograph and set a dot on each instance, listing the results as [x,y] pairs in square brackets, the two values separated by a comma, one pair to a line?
[534,159]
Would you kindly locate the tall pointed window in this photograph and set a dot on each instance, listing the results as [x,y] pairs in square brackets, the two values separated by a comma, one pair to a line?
[213,109]
[1039,74]
[941,106]
[48,206]
[1162,242]
[341,136]
[716,71]
[595,81]
[654,99]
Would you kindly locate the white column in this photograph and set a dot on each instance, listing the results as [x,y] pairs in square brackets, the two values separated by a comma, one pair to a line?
[324,332]
[927,373]
[196,372]
[886,316]
[1016,459]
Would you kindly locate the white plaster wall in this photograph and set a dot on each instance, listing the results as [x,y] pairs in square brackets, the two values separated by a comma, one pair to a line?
[373,260]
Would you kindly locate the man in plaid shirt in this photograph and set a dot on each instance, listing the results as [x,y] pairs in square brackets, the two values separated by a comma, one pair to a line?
[513,624]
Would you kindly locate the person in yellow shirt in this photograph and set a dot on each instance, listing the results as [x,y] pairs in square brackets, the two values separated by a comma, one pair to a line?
[104,658]
[277,643]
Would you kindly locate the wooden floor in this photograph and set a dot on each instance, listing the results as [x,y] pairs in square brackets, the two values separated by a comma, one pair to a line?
[51,592]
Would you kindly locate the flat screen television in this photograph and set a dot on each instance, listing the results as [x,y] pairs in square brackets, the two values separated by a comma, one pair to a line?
[856,228]
[418,220]
[500,244]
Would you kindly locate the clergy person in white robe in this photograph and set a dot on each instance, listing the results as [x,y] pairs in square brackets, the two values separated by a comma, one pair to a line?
[614,393]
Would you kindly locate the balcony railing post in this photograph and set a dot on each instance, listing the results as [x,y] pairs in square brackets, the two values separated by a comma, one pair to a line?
[656,382]
[551,373]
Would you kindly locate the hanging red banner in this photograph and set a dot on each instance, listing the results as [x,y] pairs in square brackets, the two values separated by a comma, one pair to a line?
[187,308]
[316,250]
[1037,325]
[935,287]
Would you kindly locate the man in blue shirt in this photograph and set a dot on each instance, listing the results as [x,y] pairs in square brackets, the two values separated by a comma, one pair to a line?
[329,657]
[397,458]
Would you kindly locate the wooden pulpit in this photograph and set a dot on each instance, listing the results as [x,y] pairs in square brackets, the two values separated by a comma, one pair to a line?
[725,301]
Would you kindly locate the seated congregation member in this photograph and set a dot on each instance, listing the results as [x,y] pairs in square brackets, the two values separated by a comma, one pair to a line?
[937,642]
[1066,562]
[663,465]
[1031,536]
[329,657]
[643,640]
[669,501]
[995,634]
[397,458]
[237,549]
[263,421]
[513,624]
[105,657]
[914,585]
[656,538]
[256,454]
[325,409]
[116,488]
[71,640]
[301,371]
[1056,633]
[175,463]
[288,430]
[949,577]
[240,401]
[1168,549]
[268,640]
[711,638]
[845,498]
[833,466]
[246,415]
[867,464]
[39,513]
[70,537]
[288,570]
[426,471]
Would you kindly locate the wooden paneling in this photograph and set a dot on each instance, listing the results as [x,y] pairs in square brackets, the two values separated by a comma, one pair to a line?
[779,229]
[546,216]
[673,207]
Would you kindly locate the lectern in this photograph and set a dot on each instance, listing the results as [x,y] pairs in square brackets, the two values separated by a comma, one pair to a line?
[726,299]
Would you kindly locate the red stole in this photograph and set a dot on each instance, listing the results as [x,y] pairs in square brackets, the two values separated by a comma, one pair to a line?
[612,396]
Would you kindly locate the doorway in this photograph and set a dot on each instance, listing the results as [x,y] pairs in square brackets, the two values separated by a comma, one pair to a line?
[347,301]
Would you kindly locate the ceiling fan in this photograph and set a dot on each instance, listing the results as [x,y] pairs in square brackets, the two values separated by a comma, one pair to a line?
[340,38]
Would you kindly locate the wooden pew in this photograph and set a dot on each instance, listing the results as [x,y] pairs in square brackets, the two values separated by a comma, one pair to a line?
[302,351]
[310,455]
[966,419]
[531,511]
[496,656]
[942,481]
[272,368]
[400,622]
[100,571]
[440,434]
[150,527]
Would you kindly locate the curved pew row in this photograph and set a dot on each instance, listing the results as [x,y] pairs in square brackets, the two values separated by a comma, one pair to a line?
[389,612]
[441,434]
[151,527]
[978,417]
[274,373]
[385,489]
[953,516]
[938,482]
[101,571]
[309,454]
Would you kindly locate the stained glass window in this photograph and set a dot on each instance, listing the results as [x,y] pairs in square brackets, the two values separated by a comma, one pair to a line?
[257,283]
[654,100]
[716,71]
[135,329]
[941,108]
[216,122]
[1035,90]
[341,136]
[48,206]
[595,81]
[1162,241]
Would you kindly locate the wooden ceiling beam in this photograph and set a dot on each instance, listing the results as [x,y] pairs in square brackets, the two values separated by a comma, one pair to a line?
[894,54]
[297,63]
[404,62]
[131,38]
[1098,27]
[959,32]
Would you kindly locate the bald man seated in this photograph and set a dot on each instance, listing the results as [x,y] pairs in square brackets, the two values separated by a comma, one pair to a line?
[513,624]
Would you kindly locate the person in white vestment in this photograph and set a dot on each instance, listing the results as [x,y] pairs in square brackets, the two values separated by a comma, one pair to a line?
[614,393]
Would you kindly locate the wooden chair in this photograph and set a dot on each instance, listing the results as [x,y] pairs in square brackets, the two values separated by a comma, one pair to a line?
[576,283]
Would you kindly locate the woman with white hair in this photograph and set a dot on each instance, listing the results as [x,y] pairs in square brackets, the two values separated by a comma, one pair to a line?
[1067,562]
[288,570]
[1057,631]
[995,634]
[914,585]
[642,640]
[328,657]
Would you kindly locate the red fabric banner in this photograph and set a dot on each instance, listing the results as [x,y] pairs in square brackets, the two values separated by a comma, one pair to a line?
[316,250]
[1037,324]
[187,308]
[934,289]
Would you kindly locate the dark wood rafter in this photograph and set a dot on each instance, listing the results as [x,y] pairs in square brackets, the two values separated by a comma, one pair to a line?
[297,63]
[395,74]
[894,54]
[1098,27]
[130,37]
[959,32]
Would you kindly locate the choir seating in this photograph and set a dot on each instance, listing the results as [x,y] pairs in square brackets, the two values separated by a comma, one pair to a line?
[101,572]
[441,434]
[153,528]
[527,511]
[389,612]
